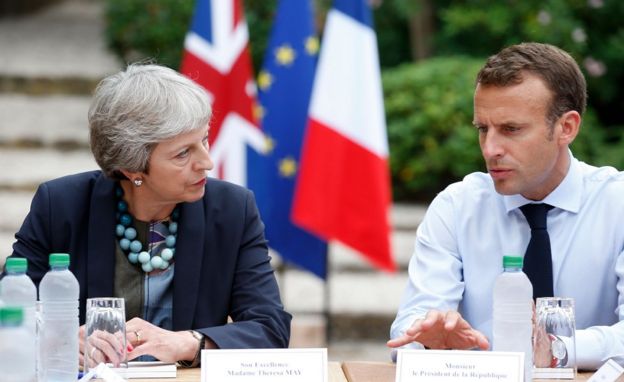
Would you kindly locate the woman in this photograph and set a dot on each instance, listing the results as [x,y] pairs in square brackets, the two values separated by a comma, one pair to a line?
[185,252]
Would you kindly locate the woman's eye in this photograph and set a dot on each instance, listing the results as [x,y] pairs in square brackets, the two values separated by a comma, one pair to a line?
[183,154]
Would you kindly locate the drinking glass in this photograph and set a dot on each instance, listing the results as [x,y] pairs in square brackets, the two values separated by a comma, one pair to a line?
[554,342]
[105,334]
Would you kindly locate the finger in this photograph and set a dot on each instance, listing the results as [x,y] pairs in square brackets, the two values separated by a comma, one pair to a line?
[415,329]
[452,319]
[81,334]
[139,351]
[420,325]
[116,350]
[108,346]
[481,340]
[400,341]
[93,358]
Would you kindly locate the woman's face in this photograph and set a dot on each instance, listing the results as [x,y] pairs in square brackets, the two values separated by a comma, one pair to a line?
[177,169]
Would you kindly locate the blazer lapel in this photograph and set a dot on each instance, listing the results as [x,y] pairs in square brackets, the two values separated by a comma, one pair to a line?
[101,247]
[188,263]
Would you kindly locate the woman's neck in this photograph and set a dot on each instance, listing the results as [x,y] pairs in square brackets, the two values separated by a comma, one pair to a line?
[141,204]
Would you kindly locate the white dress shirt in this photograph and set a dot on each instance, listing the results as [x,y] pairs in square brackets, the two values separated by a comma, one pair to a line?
[469,227]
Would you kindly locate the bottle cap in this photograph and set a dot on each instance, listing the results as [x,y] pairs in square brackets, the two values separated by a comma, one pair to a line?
[512,261]
[11,315]
[16,264]
[59,259]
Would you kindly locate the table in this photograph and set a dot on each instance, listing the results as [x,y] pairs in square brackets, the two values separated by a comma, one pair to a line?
[193,375]
[350,371]
[385,372]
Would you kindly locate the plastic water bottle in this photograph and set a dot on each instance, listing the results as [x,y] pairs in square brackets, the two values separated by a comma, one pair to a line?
[58,341]
[17,363]
[17,289]
[513,311]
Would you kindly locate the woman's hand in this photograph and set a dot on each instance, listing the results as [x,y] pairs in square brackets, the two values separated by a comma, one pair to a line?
[81,346]
[102,347]
[162,344]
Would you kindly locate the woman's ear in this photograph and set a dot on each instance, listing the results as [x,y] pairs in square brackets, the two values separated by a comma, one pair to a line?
[134,177]
[130,175]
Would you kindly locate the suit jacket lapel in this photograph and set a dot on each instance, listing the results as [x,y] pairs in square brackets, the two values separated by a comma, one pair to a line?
[101,247]
[188,262]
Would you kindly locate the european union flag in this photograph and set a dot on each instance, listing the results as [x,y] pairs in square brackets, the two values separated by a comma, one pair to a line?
[284,88]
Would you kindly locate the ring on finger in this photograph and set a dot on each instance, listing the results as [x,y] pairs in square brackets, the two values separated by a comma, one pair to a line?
[137,333]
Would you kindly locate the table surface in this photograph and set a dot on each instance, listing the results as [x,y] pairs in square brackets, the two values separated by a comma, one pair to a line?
[350,371]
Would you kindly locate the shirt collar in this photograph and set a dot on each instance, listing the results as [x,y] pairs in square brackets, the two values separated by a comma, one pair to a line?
[566,196]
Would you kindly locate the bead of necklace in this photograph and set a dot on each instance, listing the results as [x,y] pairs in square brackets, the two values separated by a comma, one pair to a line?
[127,237]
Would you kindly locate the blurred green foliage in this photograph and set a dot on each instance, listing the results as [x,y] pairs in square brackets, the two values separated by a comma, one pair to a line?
[429,113]
[591,30]
[155,29]
[139,29]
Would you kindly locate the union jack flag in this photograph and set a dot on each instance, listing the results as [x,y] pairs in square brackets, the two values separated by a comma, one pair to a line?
[216,55]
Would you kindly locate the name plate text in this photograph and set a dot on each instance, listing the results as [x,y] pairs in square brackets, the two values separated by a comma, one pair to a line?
[260,365]
[456,365]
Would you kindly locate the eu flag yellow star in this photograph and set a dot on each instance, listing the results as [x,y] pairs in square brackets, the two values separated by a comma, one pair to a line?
[265,80]
[285,55]
[258,112]
[288,167]
[269,144]
[312,45]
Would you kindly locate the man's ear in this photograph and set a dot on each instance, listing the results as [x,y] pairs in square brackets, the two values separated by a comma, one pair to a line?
[569,125]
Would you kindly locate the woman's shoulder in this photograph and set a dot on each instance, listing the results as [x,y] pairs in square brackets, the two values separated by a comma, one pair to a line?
[218,187]
[75,185]
[80,179]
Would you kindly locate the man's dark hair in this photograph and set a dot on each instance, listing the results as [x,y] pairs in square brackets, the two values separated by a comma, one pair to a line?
[554,66]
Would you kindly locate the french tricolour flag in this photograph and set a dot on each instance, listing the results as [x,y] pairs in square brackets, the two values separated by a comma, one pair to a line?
[343,188]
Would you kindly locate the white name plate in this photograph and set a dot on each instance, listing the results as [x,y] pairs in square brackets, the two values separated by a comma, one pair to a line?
[456,365]
[264,365]
[609,372]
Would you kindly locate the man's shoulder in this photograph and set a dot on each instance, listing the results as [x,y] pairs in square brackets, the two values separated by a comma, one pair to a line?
[473,184]
[473,190]
[604,177]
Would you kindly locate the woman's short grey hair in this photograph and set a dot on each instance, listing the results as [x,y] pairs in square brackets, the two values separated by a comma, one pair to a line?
[134,110]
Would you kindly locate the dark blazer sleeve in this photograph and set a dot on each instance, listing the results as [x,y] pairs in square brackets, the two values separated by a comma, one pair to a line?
[33,238]
[259,319]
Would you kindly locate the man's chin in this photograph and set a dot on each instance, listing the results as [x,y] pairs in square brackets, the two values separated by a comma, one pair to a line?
[504,189]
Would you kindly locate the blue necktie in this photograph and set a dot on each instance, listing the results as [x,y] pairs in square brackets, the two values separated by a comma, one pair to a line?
[538,258]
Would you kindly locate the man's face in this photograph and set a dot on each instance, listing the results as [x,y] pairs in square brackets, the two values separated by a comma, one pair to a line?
[523,153]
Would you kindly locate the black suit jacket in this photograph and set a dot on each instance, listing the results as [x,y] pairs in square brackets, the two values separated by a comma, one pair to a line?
[222,264]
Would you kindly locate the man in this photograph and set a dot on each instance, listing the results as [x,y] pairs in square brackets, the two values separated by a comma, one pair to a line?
[528,103]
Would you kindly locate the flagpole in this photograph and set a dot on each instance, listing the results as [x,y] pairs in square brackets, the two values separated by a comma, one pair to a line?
[327,299]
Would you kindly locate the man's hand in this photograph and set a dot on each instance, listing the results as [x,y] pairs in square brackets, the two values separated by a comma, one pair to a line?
[442,330]
[542,345]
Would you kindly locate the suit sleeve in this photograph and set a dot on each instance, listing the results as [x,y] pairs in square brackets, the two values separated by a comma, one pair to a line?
[33,240]
[259,319]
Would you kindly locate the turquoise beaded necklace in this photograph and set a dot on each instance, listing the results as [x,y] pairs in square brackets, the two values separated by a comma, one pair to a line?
[133,248]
